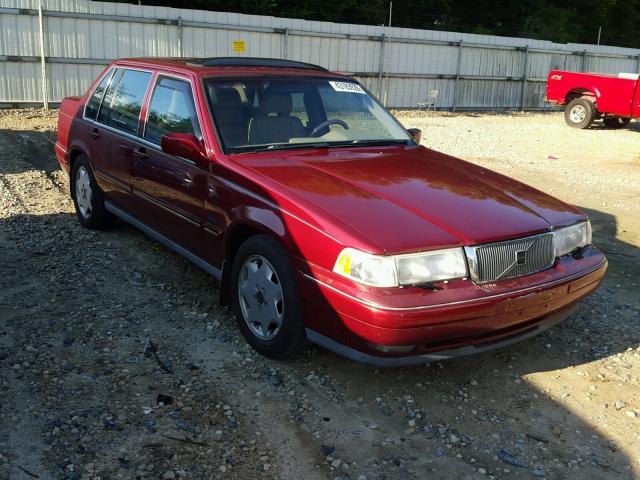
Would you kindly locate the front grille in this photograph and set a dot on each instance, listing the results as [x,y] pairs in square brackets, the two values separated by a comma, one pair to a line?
[514,258]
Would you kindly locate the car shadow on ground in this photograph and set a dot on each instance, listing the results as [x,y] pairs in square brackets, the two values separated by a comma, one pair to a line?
[514,409]
[522,385]
[486,407]
[599,126]
[31,149]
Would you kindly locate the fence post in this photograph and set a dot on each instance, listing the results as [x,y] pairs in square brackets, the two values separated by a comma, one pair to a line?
[285,43]
[180,37]
[381,65]
[455,85]
[43,60]
[584,61]
[524,78]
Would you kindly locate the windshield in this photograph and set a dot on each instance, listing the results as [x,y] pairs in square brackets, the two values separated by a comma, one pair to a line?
[254,114]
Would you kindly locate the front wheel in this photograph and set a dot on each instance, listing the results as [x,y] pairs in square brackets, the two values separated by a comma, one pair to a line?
[616,122]
[580,113]
[265,298]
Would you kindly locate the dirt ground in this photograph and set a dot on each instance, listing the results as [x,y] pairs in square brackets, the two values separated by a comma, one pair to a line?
[117,362]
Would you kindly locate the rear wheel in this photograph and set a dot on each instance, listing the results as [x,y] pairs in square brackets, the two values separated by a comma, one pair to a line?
[616,122]
[87,196]
[265,298]
[580,113]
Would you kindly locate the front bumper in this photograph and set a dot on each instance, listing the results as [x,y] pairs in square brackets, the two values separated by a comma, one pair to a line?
[459,318]
[440,355]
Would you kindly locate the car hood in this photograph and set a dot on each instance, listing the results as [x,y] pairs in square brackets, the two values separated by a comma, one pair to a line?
[411,198]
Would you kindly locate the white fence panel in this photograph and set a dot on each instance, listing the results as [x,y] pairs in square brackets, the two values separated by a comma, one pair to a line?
[399,65]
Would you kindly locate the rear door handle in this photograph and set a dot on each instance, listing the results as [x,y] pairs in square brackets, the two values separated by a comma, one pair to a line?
[187,182]
[140,153]
[95,133]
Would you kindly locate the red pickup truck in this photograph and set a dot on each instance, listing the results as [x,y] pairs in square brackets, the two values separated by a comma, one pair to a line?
[588,97]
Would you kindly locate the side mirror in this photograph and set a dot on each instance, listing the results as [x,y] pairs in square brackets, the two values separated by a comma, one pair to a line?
[184,145]
[416,134]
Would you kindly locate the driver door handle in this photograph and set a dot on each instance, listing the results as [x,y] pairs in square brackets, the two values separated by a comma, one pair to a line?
[95,133]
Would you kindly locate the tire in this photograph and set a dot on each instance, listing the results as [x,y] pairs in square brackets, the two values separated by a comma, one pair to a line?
[616,122]
[580,113]
[261,273]
[87,197]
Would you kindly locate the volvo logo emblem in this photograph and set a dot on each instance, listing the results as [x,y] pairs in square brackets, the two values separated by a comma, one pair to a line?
[521,257]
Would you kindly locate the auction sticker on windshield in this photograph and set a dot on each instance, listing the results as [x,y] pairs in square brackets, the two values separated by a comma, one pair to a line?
[347,87]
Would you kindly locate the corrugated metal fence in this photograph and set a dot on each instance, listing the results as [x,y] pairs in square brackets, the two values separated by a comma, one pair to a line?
[62,47]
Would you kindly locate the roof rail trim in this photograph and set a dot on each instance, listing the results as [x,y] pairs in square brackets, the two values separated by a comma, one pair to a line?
[251,62]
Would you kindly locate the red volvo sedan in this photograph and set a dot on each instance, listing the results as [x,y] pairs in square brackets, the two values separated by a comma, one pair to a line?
[322,217]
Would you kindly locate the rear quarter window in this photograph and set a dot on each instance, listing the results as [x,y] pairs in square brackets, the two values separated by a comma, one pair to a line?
[123,101]
[91,110]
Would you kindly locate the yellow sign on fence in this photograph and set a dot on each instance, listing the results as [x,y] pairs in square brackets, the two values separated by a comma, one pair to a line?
[239,46]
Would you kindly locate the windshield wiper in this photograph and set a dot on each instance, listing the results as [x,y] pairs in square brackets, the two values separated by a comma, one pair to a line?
[285,146]
[389,141]
[345,143]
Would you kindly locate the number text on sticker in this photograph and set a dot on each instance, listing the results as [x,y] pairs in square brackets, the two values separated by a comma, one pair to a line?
[347,87]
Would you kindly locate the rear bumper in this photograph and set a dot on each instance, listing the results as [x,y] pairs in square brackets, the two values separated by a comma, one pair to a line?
[471,319]
[62,156]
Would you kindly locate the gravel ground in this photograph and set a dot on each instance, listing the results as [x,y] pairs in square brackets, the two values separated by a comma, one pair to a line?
[117,362]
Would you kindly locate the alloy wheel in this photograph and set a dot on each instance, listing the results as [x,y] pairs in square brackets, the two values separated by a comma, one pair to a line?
[578,114]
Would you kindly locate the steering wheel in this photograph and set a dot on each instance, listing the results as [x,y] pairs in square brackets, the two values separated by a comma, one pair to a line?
[326,123]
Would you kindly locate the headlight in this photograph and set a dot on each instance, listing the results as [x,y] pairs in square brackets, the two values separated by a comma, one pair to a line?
[567,239]
[391,271]
[431,266]
[374,270]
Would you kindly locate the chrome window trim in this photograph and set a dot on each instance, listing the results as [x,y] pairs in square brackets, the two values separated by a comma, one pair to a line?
[114,68]
[111,71]
[184,78]
[136,137]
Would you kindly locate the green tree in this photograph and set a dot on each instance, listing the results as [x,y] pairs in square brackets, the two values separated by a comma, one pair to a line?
[556,20]
[553,23]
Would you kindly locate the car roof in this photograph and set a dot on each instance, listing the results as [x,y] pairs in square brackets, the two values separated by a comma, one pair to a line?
[231,66]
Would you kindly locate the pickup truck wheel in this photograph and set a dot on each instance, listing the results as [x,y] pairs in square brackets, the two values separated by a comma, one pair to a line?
[580,113]
[265,298]
[616,122]
[87,196]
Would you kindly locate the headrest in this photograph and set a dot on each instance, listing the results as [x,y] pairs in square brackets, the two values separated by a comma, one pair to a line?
[228,96]
[279,103]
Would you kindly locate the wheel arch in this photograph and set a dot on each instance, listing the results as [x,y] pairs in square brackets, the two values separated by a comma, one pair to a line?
[74,153]
[238,233]
[73,156]
[590,93]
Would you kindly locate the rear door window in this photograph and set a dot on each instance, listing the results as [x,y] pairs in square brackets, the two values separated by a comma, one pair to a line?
[171,109]
[123,101]
[91,110]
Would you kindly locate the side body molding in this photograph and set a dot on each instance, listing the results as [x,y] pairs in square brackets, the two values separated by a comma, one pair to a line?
[171,245]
